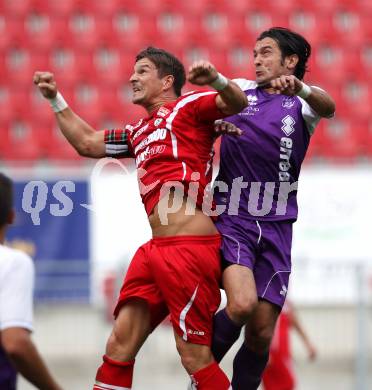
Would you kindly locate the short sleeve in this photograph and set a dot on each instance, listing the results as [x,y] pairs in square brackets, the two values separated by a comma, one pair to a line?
[16,293]
[117,143]
[311,117]
[245,84]
[206,109]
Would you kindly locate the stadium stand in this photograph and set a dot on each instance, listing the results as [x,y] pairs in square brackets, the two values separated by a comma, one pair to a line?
[93,43]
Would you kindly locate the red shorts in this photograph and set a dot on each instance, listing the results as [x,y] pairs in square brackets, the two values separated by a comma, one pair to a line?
[179,276]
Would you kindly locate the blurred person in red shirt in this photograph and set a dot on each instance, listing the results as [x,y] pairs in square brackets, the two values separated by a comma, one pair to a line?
[279,373]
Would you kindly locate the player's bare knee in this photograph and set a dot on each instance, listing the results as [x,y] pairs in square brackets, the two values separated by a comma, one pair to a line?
[241,307]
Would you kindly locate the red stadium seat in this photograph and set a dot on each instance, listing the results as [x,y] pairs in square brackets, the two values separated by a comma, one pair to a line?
[240,62]
[111,65]
[239,6]
[335,90]
[364,60]
[87,102]
[357,97]
[258,20]
[283,6]
[173,29]
[10,31]
[216,24]
[344,140]
[132,114]
[109,99]
[84,30]
[151,7]
[125,111]
[123,115]
[20,64]
[61,8]
[347,24]
[59,148]
[322,7]
[106,7]
[364,7]
[37,106]
[131,30]
[19,103]
[7,102]
[41,31]
[93,103]
[332,62]
[21,141]
[367,127]
[192,8]
[13,8]
[69,66]
[219,59]
[307,24]
[362,134]
[193,53]
[366,25]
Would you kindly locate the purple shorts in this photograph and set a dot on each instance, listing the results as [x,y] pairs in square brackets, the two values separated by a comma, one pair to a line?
[262,246]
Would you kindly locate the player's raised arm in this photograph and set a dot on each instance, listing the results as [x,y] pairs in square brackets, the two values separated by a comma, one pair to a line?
[319,100]
[230,99]
[80,135]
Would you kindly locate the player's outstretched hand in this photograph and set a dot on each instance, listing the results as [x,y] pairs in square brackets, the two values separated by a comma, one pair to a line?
[222,127]
[286,85]
[46,83]
[202,73]
[312,353]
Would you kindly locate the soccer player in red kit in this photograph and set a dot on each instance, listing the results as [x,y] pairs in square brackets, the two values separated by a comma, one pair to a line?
[178,271]
[279,373]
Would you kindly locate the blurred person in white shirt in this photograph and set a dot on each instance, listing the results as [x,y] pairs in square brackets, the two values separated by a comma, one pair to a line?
[18,353]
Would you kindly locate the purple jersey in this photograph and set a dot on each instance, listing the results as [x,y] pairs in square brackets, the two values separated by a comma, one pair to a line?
[260,169]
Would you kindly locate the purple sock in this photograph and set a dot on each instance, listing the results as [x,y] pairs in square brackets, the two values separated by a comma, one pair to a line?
[225,333]
[248,369]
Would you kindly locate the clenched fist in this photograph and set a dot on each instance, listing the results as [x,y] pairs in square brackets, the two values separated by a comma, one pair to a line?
[202,73]
[287,85]
[46,83]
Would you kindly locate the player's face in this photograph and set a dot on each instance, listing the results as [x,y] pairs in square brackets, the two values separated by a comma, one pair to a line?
[146,84]
[268,61]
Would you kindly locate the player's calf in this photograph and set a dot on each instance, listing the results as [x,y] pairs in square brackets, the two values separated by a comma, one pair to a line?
[198,361]
[260,330]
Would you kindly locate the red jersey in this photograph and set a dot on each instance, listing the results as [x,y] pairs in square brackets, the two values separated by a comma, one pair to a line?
[173,144]
[279,374]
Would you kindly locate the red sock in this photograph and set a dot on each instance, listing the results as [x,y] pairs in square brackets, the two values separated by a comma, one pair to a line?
[113,373]
[211,378]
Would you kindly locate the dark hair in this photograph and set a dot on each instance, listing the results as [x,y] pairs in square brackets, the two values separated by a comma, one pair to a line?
[290,43]
[166,64]
[6,199]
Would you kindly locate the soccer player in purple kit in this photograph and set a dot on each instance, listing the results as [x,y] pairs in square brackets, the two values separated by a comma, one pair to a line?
[257,187]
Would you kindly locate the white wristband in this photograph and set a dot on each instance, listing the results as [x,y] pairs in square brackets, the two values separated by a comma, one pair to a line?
[58,103]
[304,92]
[220,83]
